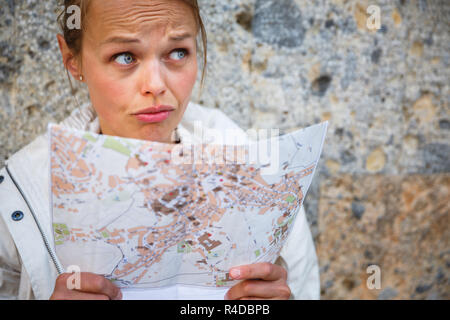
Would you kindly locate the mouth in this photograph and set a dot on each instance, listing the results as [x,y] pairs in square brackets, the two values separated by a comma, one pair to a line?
[154,114]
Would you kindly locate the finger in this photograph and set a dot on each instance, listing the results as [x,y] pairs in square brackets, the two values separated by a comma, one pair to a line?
[256,298]
[253,288]
[77,295]
[262,270]
[94,283]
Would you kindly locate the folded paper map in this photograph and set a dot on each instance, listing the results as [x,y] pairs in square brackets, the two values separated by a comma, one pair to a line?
[148,214]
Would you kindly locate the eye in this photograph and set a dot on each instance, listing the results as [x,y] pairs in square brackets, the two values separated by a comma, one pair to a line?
[178,54]
[124,58]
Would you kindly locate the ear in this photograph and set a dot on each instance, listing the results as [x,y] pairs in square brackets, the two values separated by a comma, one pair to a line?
[69,60]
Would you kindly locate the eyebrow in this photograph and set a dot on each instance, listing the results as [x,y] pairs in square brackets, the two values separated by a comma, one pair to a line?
[176,37]
[180,37]
[120,40]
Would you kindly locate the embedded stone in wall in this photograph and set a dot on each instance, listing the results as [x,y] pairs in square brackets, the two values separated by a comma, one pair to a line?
[376,160]
[278,22]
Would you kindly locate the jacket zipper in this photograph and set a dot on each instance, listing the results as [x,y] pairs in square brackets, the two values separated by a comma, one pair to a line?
[49,250]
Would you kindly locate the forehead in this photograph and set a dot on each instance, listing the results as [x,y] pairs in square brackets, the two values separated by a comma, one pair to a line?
[138,16]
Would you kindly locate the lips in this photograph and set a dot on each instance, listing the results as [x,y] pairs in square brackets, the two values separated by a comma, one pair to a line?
[155,109]
[154,114]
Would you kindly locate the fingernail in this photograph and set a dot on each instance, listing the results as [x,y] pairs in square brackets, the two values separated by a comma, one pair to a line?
[235,273]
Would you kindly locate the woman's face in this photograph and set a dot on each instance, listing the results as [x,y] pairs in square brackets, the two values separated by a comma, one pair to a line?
[136,55]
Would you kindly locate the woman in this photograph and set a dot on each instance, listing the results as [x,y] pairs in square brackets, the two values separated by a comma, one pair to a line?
[138,60]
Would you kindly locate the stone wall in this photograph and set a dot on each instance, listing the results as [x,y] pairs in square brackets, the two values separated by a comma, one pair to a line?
[381,194]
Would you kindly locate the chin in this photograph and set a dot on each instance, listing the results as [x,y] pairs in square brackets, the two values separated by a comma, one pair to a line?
[153,133]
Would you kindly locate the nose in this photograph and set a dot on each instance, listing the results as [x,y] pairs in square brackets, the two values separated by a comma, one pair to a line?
[152,81]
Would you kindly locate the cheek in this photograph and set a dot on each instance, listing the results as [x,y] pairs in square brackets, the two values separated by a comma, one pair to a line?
[107,94]
[108,88]
[184,82]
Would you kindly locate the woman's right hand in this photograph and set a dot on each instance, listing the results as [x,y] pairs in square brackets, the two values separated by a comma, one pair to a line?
[92,287]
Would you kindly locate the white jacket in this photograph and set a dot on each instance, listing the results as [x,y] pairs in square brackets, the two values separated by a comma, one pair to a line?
[27,254]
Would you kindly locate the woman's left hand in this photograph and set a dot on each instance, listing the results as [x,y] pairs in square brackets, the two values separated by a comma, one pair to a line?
[261,281]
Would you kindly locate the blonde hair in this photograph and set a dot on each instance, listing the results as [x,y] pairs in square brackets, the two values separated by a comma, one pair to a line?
[74,37]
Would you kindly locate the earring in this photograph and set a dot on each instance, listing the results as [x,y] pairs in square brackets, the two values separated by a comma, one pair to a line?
[81,78]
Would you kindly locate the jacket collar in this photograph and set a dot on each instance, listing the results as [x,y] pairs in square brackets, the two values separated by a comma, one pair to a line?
[196,116]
